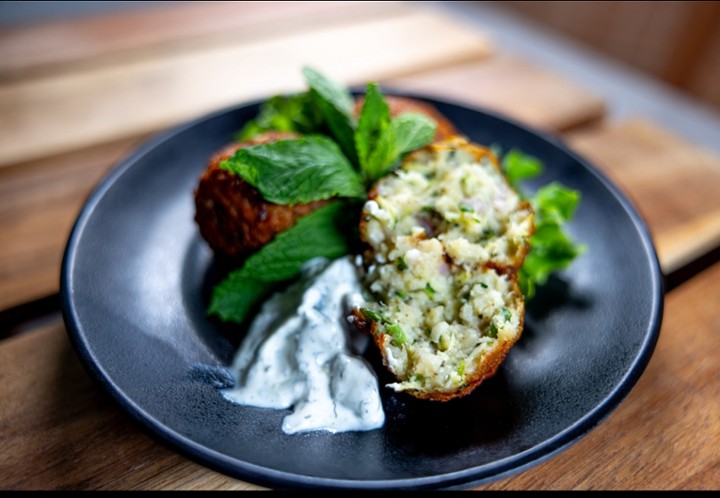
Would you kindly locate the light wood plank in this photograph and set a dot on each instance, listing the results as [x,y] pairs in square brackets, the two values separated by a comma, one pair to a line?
[60,431]
[40,201]
[60,113]
[674,184]
[106,39]
[512,86]
[666,434]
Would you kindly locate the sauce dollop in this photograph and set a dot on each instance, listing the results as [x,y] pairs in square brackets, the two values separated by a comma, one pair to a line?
[298,354]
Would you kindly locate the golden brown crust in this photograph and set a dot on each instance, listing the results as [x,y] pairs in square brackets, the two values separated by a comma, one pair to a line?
[233,217]
[489,366]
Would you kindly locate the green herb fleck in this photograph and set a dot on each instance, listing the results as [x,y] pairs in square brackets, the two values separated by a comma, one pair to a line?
[372,315]
[401,294]
[465,208]
[398,336]
[493,330]
[401,264]
[429,290]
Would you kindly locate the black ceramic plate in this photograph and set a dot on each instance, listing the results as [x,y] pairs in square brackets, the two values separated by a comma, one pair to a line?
[134,288]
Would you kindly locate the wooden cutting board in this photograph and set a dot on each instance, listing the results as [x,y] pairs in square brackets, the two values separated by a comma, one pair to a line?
[107,100]
[512,86]
[649,163]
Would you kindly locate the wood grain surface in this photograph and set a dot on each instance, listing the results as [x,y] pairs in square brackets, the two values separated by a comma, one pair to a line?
[59,112]
[648,163]
[79,43]
[512,86]
[668,428]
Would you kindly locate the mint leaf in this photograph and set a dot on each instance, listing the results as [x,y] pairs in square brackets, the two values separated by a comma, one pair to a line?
[412,131]
[372,124]
[407,132]
[381,140]
[234,298]
[297,170]
[335,104]
[293,113]
[322,233]
[382,157]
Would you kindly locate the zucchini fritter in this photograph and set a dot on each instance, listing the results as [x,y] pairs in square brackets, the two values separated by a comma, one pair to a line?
[446,235]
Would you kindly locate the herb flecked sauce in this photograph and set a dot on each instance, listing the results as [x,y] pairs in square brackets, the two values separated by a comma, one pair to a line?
[298,354]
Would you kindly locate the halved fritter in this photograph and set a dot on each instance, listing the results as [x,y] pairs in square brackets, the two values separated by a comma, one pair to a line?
[446,235]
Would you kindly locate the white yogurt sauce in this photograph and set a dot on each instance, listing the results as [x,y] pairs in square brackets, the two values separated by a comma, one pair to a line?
[297,354]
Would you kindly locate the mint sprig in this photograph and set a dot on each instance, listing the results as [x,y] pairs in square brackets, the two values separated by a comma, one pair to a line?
[335,104]
[381,140]
[373,144]
[338,156]
[297,170]
[322,233]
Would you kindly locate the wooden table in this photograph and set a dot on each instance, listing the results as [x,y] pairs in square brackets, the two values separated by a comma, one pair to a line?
[77,96]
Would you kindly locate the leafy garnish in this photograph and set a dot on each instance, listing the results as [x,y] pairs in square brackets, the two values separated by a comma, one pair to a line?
[372,125]
[551,249]
[411,131]
[519,166]
[321,233]
[382,140]
[339,156]
[287,113]
[374,143]
[335,105]
[297,170]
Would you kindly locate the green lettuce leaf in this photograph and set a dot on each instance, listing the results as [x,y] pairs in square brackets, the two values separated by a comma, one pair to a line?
[519,166]
[551,248]
[292,113]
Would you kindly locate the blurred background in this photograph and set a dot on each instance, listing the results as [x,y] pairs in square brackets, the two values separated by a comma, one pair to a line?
[677,42]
